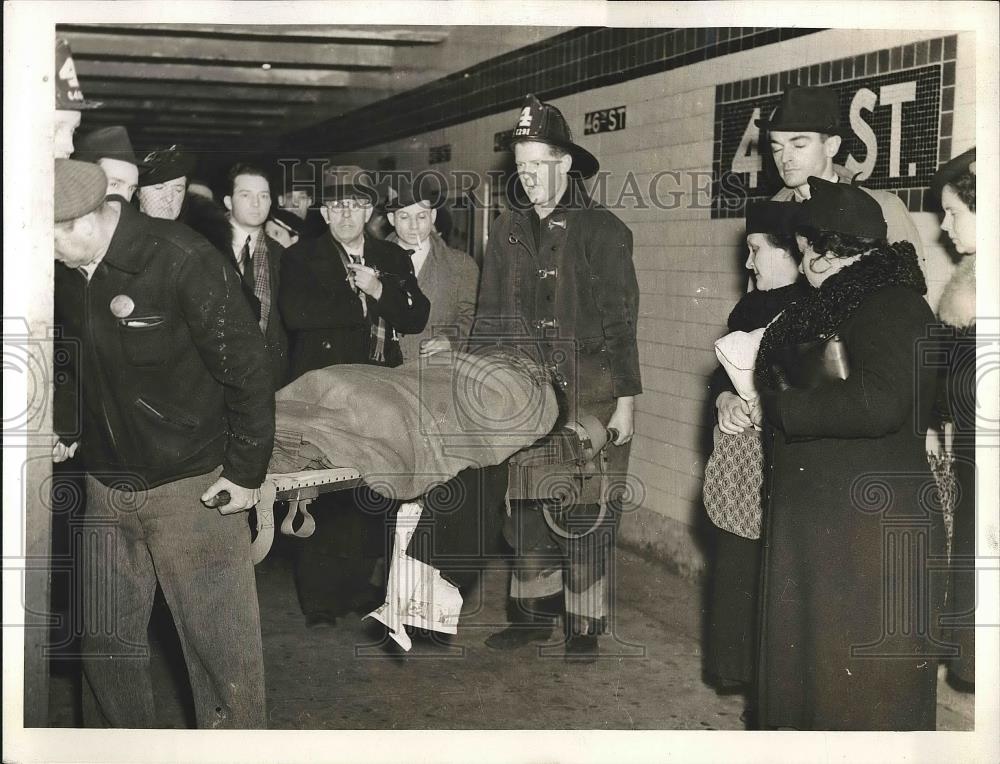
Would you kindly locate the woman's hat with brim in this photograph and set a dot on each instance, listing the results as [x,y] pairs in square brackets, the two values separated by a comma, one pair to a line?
[777,218]
[544,123]
[69,97]
[424,187]
[953,169]
[805,110]
[348,182]
[106,143]
[841,208]
[165,164]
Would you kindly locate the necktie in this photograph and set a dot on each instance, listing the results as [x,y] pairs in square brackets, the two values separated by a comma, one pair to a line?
[356,260]
[246,263]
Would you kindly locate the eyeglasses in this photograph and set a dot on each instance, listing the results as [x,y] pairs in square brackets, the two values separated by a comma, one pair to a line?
[348,204]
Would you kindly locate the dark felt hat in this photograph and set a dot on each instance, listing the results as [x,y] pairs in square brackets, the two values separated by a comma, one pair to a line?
[348,181]
[806,109]
[424,187]
[771,217]
[69,97]
[165,164]
[288,220]
[953,169]
[543,122]
[106,143]
[80,188]
[840,207]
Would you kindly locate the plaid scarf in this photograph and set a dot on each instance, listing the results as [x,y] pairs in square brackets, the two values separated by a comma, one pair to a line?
[262,278]
[376,343]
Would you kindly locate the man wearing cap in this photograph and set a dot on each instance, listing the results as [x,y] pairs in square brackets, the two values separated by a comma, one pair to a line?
[111,150]
[344,298]
[298,200]
[176,406]
[69,101]
[805,133]
[258,258]
[448,277]
[284,227]
[559,285]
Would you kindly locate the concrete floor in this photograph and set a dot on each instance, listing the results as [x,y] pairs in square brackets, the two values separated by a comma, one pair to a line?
[339,677]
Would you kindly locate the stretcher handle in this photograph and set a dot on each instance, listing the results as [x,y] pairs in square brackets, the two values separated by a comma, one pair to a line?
[221,499]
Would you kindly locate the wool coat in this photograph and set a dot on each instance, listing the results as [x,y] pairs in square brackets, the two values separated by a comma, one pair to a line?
[450,279]
[323,315]
[848,601]
[169,377]
[569,301]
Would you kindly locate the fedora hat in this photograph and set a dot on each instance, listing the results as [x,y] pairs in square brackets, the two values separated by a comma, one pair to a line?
[427,188]
[346,181]
[543,122]
[842,208]
[69,97]
[806,109]
[106,143]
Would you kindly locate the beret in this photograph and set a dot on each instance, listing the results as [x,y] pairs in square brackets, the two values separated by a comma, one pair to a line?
[80,187]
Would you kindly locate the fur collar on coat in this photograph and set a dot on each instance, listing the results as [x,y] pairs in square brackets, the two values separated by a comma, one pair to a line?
[958,300]
[821,312]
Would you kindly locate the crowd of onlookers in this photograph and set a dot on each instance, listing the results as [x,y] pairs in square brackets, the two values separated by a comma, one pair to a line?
[193,308]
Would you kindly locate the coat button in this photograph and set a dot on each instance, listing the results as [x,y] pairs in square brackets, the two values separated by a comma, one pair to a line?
[512,239]
[326,346]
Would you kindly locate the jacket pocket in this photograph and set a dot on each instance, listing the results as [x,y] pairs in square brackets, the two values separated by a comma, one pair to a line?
[144,339]
[167,414]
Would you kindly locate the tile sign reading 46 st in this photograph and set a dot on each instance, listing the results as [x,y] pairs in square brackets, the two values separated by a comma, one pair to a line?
[897,106]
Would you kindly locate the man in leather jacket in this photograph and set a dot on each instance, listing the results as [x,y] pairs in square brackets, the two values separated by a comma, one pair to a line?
[168,404]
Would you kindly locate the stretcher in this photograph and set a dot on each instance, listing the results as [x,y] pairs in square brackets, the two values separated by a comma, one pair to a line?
[579,443]
[416,593]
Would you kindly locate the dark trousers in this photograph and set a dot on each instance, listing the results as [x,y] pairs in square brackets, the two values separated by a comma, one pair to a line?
[201,559]
[334,567]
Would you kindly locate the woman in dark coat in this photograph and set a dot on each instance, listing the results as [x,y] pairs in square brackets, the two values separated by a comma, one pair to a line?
[956,183]
[848,606]
[731,644]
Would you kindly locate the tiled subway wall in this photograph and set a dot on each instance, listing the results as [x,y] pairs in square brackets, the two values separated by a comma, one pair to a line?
[689,259]
[578,60]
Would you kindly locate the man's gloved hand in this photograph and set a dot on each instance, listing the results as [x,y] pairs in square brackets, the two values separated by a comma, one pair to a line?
[61,452]
[240,498]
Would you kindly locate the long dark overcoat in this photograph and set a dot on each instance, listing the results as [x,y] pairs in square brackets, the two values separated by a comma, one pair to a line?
[323,316]
[848,598]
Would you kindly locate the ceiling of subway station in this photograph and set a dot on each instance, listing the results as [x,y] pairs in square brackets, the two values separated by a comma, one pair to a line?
[231,87]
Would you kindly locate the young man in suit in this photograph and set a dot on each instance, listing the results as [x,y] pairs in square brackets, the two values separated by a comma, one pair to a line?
[258,259]
[447,276]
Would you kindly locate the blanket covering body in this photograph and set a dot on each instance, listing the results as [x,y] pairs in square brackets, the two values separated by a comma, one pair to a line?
[409,428]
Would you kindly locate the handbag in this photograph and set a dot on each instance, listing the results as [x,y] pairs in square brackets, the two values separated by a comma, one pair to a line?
[734,479]
[807,365]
